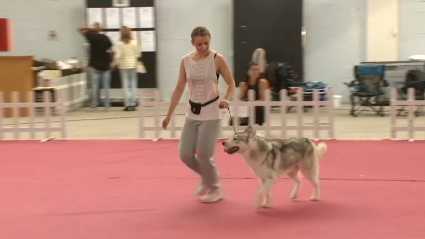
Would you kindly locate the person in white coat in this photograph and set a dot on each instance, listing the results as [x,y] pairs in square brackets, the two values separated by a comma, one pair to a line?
[127,57]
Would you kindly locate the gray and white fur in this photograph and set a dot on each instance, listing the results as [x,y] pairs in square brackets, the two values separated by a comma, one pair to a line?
[273,159]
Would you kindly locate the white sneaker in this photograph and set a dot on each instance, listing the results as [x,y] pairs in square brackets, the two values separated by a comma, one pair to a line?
[213,196]
[201,190]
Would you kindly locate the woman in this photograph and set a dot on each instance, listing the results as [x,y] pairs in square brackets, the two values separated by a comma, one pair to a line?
[127,56]
[253,82]
[201,70]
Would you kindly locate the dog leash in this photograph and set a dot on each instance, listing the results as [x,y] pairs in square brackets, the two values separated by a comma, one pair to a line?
[233,123]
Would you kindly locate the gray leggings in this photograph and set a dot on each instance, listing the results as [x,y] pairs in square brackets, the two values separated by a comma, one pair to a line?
[200,136]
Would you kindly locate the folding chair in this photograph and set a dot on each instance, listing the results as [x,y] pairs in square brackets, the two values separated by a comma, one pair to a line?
[366,90]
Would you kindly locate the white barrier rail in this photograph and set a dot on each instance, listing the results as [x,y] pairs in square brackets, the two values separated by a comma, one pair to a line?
[249,106]
[16,107]
[73,88]
[411,102]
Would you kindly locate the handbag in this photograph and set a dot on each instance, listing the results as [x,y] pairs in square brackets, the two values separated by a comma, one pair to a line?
[141,67]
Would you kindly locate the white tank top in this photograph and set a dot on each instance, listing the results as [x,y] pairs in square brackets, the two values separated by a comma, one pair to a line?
[203,87]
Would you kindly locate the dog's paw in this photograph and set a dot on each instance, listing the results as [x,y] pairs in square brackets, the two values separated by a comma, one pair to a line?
[314,198]
[293,196]
[267,202]
[257,204]
[258,200]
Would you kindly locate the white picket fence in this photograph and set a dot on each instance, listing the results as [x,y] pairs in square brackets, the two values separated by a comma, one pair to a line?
[411,104]
[247,107]
[14,125]
[73,88]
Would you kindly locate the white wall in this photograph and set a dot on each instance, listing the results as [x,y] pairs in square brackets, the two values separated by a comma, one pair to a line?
[34,19]
[175,22]
[335,41]
[412,28]
[336,37]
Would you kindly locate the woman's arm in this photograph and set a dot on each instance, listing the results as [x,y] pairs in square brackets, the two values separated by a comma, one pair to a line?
[84,30]
[243,90]
[264,85]
[178,91]
[224,70]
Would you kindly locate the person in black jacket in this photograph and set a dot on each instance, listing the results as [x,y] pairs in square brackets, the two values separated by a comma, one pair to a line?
[100,60]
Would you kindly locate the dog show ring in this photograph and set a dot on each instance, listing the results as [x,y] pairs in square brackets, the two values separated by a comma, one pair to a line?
[140,189]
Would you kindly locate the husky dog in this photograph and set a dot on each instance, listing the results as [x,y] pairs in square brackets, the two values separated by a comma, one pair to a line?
[270,160]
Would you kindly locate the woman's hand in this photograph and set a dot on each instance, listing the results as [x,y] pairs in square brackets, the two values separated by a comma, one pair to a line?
[165,122]
[224,104]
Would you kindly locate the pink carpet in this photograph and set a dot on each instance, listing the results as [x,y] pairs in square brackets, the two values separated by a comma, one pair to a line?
[125,189]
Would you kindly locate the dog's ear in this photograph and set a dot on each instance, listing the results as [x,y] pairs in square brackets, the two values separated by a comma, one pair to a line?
[251,131]
[248,129]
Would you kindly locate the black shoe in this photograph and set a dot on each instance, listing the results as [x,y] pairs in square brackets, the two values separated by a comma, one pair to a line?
[126,108]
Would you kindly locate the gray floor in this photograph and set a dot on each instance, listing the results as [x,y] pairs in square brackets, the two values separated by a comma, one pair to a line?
[117,124]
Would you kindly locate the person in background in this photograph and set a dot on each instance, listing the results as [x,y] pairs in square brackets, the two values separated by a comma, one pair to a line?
[127,56]
[254,82]
[100,61]
[259,57]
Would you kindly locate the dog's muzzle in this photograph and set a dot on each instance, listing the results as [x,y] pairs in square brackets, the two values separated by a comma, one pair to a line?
[232,150]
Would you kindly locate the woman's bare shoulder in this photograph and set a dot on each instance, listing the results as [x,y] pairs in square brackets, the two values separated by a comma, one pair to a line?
[219,56]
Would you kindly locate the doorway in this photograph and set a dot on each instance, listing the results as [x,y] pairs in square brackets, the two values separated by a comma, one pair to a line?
[382,25]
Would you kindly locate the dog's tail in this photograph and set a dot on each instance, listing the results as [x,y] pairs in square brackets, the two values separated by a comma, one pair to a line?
[320,150]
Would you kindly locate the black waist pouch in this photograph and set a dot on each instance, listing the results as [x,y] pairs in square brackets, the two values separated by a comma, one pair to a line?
[196,107]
